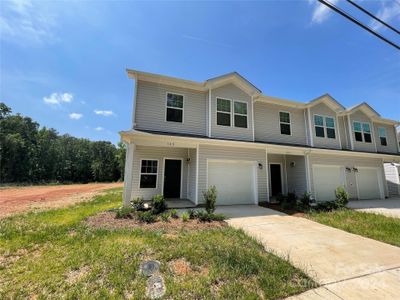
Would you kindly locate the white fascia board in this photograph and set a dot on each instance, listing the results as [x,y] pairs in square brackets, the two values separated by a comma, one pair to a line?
[191,142]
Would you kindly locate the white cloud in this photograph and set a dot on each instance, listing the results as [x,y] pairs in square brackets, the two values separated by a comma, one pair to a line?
[75,116]
[321,12]
[386,13]
[105,113]
[58,98]
[24,21]
[99,128]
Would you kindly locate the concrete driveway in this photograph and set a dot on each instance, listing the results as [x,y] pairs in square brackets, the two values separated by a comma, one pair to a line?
[388,207]
[347,265]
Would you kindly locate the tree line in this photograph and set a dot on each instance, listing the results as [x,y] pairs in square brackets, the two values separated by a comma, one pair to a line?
[30,153]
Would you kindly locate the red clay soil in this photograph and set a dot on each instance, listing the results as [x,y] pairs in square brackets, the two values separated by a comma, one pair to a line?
[19,199]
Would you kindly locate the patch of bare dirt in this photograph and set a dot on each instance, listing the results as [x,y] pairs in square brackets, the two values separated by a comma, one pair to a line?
[277,207]
[74,276]
[20,199]
[107,220]
[182,267]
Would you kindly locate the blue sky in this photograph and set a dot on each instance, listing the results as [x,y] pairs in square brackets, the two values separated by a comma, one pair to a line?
[63,63]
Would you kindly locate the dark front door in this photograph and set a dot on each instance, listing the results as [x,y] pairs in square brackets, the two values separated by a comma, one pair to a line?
[276,179]
[172,178]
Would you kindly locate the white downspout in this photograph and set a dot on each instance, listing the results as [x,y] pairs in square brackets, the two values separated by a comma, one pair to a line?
[340,140]
[305,126]
[134,103]
[252,116]
[373,135]
[345,131]
[397,138]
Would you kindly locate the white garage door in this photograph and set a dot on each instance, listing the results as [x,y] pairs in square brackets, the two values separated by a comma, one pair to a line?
[326,180]
[368,184]
[235,181]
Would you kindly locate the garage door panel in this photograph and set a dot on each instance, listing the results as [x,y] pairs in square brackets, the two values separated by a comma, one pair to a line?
[235,181]
[326,180]
[368,183]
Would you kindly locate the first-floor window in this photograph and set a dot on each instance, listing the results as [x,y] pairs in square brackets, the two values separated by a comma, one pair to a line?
[148,174]
[362,132]
[223,112]
[382,136]
[174,108]
[284,122]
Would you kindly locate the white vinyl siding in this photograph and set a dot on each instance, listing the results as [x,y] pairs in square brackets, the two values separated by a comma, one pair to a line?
[267,124]
[151,109]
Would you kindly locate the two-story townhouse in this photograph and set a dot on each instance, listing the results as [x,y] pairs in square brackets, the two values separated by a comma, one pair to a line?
[187,136]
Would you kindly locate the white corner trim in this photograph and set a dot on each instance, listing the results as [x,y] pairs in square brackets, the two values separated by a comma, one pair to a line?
[350,132]
[373,135]
[252,116]
[267,172]
[345,132]
[397,139]
[338,129]
[209,112]
[310,127]
[134,103]
[128,174]
[197,175]
[305,127]
[308,175]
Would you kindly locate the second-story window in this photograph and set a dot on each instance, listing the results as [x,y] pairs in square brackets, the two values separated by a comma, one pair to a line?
[284,121]
[382,136]
[362,132]
[223,112]
[324,126]
[240,114]
[174,108]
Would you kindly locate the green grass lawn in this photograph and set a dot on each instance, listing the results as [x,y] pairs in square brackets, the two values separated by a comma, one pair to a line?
[374,226]
[53,254]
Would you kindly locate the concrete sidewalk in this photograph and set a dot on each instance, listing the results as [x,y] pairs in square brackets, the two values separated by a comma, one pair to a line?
[347,265]
[388,207]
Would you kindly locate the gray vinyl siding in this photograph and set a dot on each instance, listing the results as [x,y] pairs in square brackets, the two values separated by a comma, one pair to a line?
[267,124]
[192,175]
[390,138]
[346,161]
[231,92]
[157,153]
[361,146]
[232,153]
[323,110]
[296,174]
[151,109]
[392,179]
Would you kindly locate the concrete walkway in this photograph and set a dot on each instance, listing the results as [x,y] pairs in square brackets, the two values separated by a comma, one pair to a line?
[347,265]
[388,207]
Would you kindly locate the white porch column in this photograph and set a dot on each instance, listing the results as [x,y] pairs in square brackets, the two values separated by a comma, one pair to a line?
[267,172]
[197,175]
[308,171]
[128,174]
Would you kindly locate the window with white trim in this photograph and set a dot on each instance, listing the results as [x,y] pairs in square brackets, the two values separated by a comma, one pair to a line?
[148,174]
[240,114]
[382,136]
[362,132]
[284,123]
[174,111]
[223,112]
[324,127]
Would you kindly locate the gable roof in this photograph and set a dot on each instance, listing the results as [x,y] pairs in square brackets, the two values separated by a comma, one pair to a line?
[233,77]
[365,107]
[328,100]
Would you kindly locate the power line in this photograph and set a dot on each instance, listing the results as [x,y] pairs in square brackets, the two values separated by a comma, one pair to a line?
[347,16]
[372,16]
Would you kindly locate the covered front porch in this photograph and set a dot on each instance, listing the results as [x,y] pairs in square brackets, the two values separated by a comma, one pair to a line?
[161,166]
